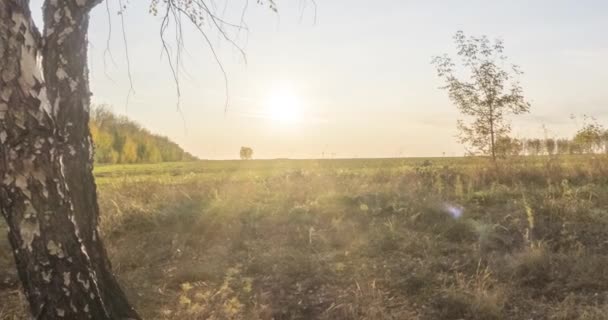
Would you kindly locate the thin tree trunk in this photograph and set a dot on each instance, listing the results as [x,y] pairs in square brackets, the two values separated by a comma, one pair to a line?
[47,192]
[492,138]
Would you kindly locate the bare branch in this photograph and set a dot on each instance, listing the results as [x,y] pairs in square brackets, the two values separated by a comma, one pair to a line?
[125,42]
[203,15]
[163,27]
[107,52]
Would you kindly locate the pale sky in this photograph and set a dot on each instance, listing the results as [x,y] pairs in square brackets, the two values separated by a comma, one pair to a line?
[360,76]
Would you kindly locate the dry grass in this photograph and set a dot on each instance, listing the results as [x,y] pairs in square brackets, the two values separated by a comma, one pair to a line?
[357,239]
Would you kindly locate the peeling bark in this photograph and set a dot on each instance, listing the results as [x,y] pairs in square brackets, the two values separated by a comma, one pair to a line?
[66,74]
[47,190]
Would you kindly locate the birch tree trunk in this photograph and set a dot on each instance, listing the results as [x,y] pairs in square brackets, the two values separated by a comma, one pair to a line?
[47,190]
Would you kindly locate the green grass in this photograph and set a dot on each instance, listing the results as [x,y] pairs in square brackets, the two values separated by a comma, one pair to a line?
[356,239]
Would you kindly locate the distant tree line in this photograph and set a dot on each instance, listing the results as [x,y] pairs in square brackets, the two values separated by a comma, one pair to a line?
[119,140]
[591,139]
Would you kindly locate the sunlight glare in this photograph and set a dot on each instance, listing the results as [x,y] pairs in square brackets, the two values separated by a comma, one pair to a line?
[284,107]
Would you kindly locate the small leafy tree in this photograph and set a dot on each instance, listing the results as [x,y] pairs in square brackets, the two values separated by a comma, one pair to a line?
[550,146]
[604,139]
[575,147]
[534,146]
[129,151]
[590,137]
[507,146]
[563,146]
[487,93]
[246,153]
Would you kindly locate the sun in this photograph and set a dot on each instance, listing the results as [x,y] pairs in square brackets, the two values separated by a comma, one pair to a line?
[284,107]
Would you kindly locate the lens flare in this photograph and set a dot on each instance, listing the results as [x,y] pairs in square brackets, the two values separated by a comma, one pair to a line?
[453,211]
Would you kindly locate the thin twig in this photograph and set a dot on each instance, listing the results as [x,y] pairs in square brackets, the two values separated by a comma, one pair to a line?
[107,51]
[124,38]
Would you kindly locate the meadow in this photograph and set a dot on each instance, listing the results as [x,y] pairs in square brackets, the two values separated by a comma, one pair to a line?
[441,238]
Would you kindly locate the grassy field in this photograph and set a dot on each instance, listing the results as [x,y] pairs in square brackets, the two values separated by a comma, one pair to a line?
[449,238]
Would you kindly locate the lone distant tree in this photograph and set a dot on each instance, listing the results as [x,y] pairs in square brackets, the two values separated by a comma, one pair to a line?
[486,92]
[246,153]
